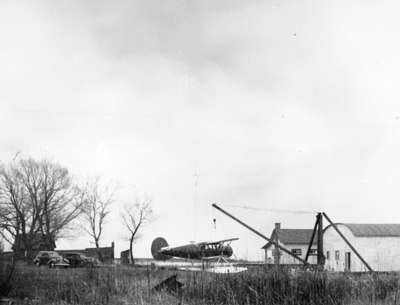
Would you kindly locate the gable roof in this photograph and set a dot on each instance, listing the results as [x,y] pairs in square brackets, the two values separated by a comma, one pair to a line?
[373,229]
[292,236]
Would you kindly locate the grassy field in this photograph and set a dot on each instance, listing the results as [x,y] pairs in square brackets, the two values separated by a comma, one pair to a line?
[129,285]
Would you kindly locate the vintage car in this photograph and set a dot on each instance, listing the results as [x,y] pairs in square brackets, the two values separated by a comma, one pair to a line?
[51,259]
[79,260]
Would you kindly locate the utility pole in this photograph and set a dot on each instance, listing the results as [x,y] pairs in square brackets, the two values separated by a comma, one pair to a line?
[311,242]
[320,242]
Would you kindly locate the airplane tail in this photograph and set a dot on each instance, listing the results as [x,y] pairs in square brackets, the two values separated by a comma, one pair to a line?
[156,246]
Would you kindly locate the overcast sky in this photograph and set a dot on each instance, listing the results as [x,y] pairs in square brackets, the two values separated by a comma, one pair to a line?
[275,104]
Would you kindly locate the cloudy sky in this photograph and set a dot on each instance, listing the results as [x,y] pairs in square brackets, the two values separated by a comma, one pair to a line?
[282,104]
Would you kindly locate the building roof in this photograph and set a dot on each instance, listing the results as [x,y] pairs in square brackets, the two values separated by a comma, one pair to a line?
[373,229]
[107,253]
[293,237]
[303,236]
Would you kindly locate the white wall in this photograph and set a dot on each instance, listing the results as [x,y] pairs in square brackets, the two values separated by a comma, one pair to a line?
[287,259]
[333,242]
[381,253]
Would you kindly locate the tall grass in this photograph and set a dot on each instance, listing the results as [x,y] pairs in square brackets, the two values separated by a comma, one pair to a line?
[127,285]
[6,273]
[306,288]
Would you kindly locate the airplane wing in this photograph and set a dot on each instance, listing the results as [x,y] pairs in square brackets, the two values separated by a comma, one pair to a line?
[211,258]
[222,241]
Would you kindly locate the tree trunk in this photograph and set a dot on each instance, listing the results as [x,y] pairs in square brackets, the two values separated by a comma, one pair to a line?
[98,250]
[130,249]
[27,248]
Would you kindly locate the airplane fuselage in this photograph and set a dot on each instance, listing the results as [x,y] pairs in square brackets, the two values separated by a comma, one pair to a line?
[197,251]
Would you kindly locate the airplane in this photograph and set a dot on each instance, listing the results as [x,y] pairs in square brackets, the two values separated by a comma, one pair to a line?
[200,251]
[204,251]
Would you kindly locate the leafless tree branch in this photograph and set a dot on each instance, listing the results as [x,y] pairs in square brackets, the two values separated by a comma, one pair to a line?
[135,216]
[36,198]
[98,198]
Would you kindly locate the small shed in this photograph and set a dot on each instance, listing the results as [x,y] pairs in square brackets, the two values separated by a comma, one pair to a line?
[295,240]
[378,244]
[125,257]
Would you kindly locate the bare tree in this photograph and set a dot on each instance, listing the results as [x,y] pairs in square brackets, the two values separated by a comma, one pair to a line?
[135,216]
[38,203]
[98,199]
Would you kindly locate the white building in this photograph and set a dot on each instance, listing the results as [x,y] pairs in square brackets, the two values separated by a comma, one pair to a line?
[378,244]
[295,240]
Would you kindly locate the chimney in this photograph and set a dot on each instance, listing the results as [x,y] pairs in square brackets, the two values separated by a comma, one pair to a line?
[277,225]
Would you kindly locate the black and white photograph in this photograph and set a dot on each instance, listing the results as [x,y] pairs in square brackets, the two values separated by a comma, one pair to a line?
[199,152]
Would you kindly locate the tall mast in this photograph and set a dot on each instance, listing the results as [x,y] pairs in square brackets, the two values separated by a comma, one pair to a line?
[195,194]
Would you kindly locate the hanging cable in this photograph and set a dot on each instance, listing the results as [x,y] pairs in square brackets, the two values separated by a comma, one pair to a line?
[214,224]
[270,210]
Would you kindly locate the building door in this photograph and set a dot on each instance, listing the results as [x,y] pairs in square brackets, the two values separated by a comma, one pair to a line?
[347,261]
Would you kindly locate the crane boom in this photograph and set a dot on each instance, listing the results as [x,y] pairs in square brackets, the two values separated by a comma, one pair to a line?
[260,234]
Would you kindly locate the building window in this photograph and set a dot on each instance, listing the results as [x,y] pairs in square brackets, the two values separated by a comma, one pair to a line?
[296,252]
[328,255]
[337,255]
[313,251]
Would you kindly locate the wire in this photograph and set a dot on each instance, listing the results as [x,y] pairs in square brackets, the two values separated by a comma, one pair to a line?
[270,210]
